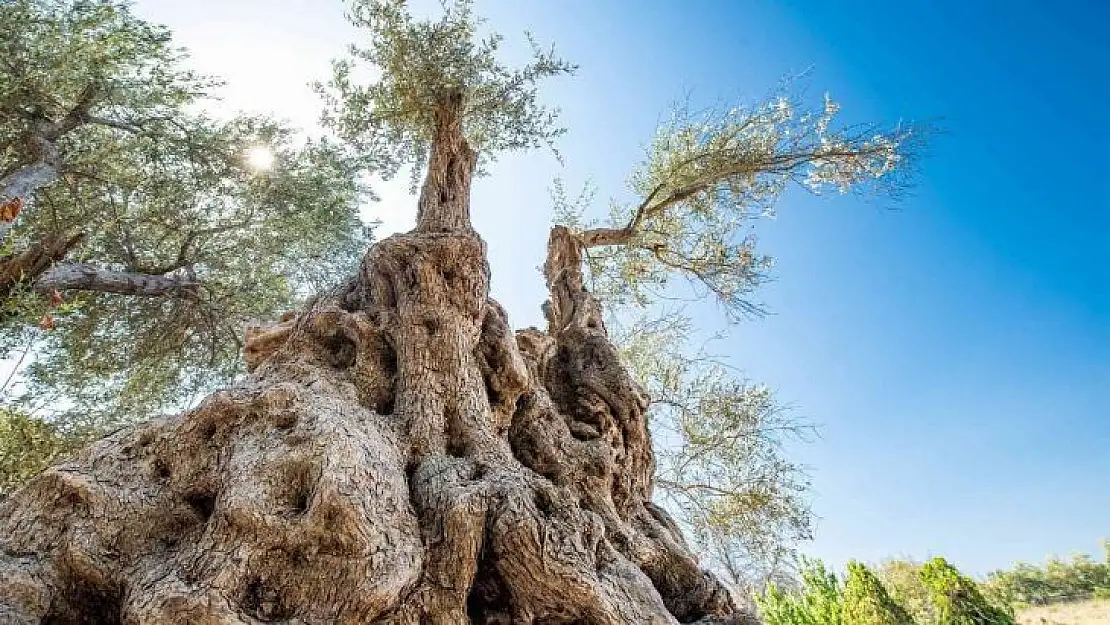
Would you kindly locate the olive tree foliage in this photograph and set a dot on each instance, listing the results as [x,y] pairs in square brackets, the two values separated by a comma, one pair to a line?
[69,67]
[130,273]
[27,446]
[706,179]
[708,174]
[391,120]
[721,462]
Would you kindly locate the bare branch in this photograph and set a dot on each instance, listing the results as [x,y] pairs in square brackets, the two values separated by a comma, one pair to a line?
[85,277]
[113,123]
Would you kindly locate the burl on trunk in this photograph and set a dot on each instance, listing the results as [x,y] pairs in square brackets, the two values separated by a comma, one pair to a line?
[397,455]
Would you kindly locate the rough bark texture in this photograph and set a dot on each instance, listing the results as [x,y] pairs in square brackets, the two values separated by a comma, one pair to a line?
[397,456]
[444,204]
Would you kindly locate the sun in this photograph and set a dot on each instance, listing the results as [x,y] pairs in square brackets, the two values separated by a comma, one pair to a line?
[260,158]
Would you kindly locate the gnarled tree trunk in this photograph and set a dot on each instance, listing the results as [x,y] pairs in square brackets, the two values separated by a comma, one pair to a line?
[398,456]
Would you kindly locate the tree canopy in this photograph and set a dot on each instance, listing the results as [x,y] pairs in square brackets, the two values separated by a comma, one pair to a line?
[148,239]
[708,174]
[420,64]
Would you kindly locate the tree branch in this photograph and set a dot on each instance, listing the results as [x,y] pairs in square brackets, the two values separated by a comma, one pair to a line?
[21,184]
[34,261]
[114,123]
[76,116]
[85,277]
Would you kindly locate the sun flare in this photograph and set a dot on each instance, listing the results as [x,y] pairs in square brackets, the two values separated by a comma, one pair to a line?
[260,158]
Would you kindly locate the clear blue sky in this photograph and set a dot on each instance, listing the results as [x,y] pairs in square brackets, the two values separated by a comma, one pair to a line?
[956,351]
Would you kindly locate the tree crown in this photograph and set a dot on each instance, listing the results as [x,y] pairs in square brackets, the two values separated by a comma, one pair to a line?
[146,187]
[708,174]
[420,64]
[83,63]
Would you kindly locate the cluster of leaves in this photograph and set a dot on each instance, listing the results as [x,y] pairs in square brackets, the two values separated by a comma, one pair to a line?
[391,120]
[867,602]
[115,356]
[902,579]
[821,598]
[55,53]
[818,599]
[720,461]
[27,446]
[154,189]
[1057,581]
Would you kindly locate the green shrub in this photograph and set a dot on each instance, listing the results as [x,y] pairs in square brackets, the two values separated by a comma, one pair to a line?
[1057,581]
[957,598]
[866,601]
[902,579]
[817,601]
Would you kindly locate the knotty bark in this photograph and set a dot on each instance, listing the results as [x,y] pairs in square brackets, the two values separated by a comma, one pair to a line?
[398,455]
[445,197]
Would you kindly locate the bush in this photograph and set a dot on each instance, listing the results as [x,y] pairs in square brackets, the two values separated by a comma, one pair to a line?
[940,595]
[817,601]
[958,600]
[902,579]
[1057,581]
[866,601]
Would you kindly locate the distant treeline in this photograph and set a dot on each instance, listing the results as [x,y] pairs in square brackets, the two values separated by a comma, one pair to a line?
[894,593]
[1056,581]
[904,592]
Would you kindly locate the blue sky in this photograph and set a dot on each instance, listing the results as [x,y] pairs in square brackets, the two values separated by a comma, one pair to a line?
[955,350]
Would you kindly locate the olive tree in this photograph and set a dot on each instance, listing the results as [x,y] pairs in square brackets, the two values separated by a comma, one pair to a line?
[138,239]
[399,454]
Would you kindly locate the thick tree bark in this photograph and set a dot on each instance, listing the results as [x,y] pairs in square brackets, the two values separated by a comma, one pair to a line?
[444,204]
[397,456]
